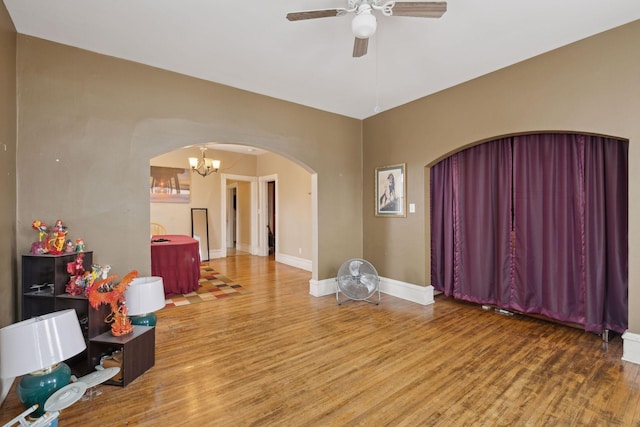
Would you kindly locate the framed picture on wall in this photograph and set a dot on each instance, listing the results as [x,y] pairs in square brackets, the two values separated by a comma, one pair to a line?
[390,191]
[169,185]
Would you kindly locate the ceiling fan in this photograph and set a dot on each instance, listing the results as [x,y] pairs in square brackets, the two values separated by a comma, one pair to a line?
[364,23]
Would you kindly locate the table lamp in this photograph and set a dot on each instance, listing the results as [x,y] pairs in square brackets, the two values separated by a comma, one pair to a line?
[37,347]
[143,296]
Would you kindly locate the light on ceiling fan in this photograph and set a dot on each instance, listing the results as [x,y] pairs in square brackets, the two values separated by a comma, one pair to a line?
[364,24]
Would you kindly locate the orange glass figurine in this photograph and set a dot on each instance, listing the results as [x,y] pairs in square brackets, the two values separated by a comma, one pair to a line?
[104,292]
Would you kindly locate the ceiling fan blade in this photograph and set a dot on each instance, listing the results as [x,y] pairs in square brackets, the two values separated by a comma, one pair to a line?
[434,9]
[313,14]
[360,47]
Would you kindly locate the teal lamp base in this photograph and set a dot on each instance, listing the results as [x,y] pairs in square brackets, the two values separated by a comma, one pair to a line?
[149,319]
[37,387]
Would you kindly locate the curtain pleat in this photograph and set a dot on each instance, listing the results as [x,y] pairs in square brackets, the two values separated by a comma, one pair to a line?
[484,179]
[606,234]
[548,224]
[442,246]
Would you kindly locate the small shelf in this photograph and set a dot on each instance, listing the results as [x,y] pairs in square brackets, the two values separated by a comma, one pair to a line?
[47,269]
[39,294]
[138,351]
[69,296]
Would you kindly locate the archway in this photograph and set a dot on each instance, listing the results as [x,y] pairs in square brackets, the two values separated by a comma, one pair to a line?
[240,169]
[536,223]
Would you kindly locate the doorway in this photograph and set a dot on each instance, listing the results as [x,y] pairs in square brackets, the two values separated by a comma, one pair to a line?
[271,217]
[268,220]
[232,216]
[224,223]
[239,216]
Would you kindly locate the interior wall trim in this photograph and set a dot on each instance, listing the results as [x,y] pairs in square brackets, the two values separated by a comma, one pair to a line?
[293,261]
[631,347]
[422,295]
[217,253]
[321,288]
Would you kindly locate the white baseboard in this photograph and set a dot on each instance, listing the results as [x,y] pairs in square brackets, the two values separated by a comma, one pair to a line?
[244,247]
[320,288]
[419,294]
[422,295]
[631,347]
[217,253]
[304,264]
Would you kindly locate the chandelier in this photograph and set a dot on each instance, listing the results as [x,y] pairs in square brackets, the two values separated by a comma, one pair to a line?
[204,166]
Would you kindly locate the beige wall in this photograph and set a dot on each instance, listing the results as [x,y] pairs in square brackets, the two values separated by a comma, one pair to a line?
[8,264]
[243,206]
[89,124]
[590,86]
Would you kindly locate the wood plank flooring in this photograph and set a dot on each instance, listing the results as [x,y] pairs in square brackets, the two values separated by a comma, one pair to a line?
[280,357]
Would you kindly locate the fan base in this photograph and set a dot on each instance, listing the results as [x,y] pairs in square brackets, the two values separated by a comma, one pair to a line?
[369,300]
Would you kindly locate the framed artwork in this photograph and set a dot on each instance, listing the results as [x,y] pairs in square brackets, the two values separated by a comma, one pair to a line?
[390,191]
[169,185]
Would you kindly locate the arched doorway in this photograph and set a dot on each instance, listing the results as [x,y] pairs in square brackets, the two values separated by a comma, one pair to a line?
[296,233]
[536,223]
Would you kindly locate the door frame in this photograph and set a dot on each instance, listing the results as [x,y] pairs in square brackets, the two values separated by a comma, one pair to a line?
[231,223]
[223,210]
[263,195]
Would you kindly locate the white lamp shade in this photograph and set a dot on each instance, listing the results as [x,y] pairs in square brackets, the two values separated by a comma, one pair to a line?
[364,24]
[39,343]
[193,162]
[144,295]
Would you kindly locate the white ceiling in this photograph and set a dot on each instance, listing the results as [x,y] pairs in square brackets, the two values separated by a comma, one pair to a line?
[250,45]
[235,148]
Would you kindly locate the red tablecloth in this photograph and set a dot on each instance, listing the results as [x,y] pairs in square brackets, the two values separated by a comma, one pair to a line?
[177,262]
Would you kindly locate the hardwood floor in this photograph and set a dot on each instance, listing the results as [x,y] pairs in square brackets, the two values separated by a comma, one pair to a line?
[279,356]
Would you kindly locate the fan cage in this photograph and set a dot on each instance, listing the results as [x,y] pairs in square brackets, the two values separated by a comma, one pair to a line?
[357,280]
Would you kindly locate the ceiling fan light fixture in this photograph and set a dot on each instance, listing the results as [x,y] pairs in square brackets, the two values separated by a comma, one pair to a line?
[364,24]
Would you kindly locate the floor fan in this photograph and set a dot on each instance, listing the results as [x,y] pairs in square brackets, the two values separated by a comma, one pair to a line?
[357,280]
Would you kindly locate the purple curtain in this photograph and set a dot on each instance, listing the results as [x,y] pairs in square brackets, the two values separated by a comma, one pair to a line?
[469,209]
[549,227]
[606,232]
[535,223]
[442,215]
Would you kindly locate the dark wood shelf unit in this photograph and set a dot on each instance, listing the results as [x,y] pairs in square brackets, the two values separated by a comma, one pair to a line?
[138,351]
[49,269]
[52,269]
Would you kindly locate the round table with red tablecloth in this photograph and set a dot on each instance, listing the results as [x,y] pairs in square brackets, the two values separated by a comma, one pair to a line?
[176,258]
